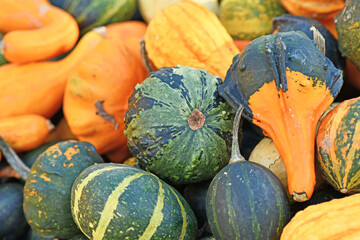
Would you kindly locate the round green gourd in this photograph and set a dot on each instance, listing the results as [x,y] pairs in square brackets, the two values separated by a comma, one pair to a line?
[245,200]
[178,126]
[348,28]
[47,189]
[248,19]
[117,201]
[2,58]
[12,219]
[90,14]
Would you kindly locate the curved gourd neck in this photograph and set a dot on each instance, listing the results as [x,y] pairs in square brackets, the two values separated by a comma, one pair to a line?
[235,149]
[13,159]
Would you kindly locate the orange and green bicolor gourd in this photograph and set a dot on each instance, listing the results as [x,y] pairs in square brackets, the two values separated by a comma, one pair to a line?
[338,146]
[285,83]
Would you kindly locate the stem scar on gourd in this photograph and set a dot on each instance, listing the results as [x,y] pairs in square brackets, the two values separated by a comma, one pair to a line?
[196,119]
[99,105]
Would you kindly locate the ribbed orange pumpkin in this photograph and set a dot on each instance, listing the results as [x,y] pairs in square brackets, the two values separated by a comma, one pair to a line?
[97,93]
[187,33]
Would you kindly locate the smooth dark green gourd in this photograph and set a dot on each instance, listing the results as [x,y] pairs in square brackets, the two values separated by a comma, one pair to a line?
[177,125]
[12,219]
[245,200]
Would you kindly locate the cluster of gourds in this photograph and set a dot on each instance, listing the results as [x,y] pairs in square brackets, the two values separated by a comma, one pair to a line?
[179,119]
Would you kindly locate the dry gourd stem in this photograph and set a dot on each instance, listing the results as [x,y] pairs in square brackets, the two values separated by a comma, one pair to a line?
[235,149]
[13,159]
[145,58]
[196,119]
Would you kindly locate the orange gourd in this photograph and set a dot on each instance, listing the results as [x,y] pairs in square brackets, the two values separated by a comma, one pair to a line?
[332,220]
[55,34]
[189,34]
[38,87]
[25,132]
[96,95]
[20,14]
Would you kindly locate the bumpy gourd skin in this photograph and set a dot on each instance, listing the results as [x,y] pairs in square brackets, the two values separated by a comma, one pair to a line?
[348,27]
[158,129]
[285,84]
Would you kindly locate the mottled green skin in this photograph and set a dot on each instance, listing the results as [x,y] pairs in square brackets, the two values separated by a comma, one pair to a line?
[246,201]
[266,58]
[249,19]
[348,29]
[135,206]
[95,13]
[158,132]
[2,58]
[341,171]
[48,188]
[12,219]
[30,156]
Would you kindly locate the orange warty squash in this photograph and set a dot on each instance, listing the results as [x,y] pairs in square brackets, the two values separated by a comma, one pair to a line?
[25,132]
[56,34]
[38,87]
[189,34]
[332,220]
[96,95]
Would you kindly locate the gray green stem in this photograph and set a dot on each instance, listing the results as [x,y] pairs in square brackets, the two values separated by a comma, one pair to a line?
[235,149]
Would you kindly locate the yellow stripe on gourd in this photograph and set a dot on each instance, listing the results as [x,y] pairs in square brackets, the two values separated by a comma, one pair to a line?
[80,188]
[183,213]
[157,217]
[108,213]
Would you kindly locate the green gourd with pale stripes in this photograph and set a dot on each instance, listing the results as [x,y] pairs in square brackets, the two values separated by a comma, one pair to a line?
[117,201]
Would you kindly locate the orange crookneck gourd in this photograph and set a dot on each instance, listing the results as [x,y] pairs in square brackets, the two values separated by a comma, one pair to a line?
[38,87]
[189,34]
[285,84]
[46,31]
[96,95]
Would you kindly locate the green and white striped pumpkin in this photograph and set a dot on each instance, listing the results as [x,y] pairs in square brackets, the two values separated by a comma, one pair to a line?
[117,201]
[177,125]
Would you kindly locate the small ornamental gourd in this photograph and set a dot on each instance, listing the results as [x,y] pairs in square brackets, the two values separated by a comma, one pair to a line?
[187,33]
[335,219]
[47,190]
[248,19]
[96,13]
[178,126]
[245,200]
[338,146]
[117,201]
[285,84]
[348,27]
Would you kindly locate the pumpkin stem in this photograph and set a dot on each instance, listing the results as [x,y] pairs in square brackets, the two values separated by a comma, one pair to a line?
[13,159]
[196,119]
[145,58]
[300,197]
[235,148]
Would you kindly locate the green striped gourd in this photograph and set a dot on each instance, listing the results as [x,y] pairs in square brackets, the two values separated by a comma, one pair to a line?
[90,14]
[178,126]
[338,146]
[47,190]
[245,200]
[117,201]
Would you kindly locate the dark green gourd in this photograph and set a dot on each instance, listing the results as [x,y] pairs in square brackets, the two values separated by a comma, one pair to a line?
[246,200]
[178,126]
[117,201]
[47,190]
